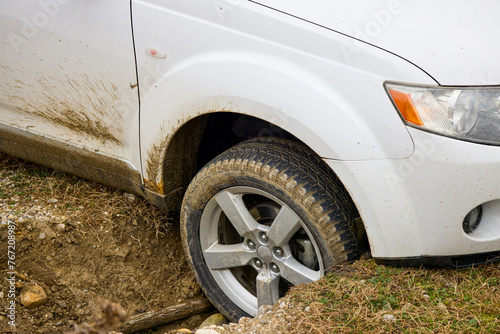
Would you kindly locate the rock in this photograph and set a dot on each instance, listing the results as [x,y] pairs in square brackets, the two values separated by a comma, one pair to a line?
[426,297]
[33,296]
[62,303]
[130,197]
[264,309]
[388,318]
[206,331]
[215,319]
[41,236]
[53,200]
[61,227]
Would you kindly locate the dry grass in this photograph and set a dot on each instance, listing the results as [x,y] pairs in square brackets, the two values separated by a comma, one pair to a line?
[91,202]
[367,298]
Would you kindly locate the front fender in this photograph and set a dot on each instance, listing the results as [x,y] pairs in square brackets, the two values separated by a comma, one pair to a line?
[335,104]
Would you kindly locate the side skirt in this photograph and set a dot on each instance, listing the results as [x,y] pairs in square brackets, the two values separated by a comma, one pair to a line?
[77,161]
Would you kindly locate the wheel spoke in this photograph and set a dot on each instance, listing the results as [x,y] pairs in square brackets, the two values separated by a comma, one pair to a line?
[296,273]
[237,213]
[284,226]
[220,256]
[267,288]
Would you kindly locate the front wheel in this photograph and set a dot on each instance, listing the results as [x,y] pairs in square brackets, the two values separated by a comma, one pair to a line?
[261,217]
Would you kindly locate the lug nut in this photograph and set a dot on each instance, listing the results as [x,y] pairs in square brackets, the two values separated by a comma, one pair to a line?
[252,244]
[278,252]
[258,263]
[275,268]
[263,237]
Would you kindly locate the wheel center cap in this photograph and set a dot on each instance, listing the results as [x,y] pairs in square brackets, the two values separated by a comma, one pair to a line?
[264,253]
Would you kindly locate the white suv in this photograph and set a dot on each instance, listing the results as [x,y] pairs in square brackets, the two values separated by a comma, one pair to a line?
[292,135]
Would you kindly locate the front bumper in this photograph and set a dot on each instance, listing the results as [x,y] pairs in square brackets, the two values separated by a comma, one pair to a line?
[415,207]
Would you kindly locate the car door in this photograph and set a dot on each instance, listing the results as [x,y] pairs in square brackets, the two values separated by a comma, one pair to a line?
[67,72]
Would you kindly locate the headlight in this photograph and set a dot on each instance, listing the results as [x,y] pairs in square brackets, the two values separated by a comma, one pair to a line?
[471,114]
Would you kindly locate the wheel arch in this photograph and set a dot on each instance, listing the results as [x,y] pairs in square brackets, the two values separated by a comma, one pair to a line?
[201,139]
[204,137]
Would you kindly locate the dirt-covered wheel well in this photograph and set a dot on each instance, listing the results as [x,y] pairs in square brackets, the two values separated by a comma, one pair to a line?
[202,139]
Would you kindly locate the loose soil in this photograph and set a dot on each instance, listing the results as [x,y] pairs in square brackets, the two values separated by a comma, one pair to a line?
[83,242]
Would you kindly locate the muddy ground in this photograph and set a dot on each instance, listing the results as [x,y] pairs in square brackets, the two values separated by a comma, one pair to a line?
[83,242]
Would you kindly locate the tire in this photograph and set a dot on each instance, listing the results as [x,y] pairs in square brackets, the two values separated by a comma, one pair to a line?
[263,216]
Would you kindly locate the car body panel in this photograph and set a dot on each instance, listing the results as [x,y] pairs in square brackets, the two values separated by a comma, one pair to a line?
[451,40]
[251,70]
[68,71]
[415,207]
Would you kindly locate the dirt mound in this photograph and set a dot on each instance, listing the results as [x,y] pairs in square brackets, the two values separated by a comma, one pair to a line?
[83,242]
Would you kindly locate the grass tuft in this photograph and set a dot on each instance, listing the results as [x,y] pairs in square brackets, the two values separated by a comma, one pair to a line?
[367,298]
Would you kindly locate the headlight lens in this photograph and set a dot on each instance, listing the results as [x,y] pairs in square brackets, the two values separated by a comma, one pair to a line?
[471,114]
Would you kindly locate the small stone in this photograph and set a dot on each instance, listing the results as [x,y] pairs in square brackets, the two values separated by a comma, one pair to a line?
[244,320]
[283,305]
[53,200]
[215,319]
[33,296]
[183,331]
[62,303]
[206,331]
[130,197]
[264,309]
[61,227]
[388,318]
[307,309]
[426,297]
[41,236]
[1,294]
